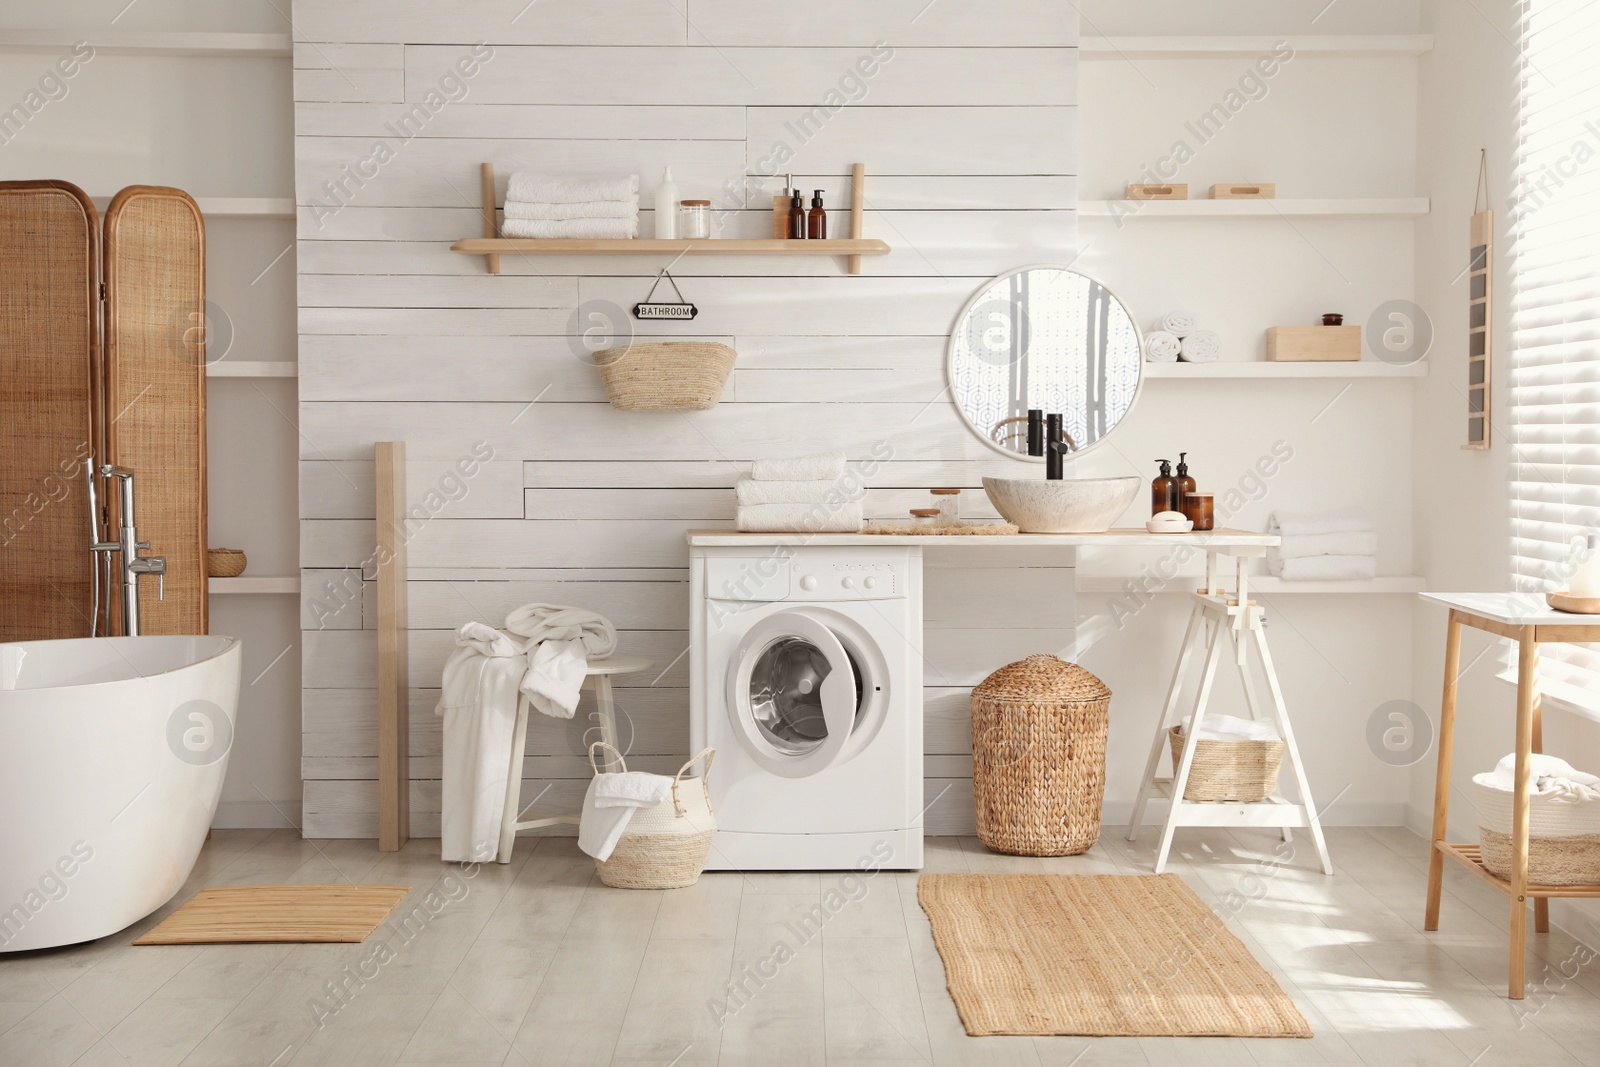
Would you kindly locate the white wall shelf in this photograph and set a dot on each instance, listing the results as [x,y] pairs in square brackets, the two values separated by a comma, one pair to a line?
[219,586]
[1329,46]
[1264,584]
[1362,368]
[138,42]
[224,368]
[1379,207]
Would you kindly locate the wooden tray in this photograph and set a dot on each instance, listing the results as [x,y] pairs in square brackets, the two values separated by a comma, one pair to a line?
[1577,605]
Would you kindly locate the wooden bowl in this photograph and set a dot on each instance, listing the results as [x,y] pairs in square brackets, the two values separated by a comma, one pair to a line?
[1577,605]
[225,562]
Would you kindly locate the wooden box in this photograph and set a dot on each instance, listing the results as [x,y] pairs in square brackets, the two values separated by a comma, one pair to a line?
[1244,191]
[1313,344]
[1158,192]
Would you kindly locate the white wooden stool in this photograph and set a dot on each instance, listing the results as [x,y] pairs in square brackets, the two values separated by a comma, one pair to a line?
[599,680]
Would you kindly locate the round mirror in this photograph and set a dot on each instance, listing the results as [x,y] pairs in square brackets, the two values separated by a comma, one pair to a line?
[1049,338]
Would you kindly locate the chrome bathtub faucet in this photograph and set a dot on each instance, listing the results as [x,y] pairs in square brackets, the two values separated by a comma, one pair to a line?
[128,546]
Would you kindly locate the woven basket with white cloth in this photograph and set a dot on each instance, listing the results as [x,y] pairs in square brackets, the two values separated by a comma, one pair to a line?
[665,846]
[1563,820]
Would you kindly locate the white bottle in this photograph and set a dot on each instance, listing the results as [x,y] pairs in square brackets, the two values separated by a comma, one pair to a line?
[667,207]
[1586,569]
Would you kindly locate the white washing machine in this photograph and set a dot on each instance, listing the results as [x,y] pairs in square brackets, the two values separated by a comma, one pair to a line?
[806,677]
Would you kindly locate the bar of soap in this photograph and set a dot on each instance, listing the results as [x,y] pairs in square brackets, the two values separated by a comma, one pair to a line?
[1169,522]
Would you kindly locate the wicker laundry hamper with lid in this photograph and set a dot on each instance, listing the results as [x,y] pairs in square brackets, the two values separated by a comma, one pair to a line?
[1039,757]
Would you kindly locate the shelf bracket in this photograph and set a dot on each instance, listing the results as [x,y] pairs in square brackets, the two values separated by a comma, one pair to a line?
[490,259]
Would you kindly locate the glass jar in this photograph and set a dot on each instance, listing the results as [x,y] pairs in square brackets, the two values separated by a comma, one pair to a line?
[948,503]
[924,519]
[1200,509]
[694,219]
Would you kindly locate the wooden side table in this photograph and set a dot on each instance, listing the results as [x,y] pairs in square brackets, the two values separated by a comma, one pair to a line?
[1522,618]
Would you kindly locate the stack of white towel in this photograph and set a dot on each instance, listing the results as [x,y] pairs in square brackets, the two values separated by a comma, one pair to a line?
[1177,335]
[537,206]
[1331,546]
[802,494]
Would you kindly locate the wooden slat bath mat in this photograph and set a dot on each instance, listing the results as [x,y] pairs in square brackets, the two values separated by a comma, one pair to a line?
[1098,956]
[244,913]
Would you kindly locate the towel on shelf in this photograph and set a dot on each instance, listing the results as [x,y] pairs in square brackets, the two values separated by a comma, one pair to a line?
[1178,323]
[1200,346]
[1326,568]
[1161,346]
[823,466]
[1362,543]
[588,209]
[560,641]
[608,807]
[1232,728]
[800,518]
[750,492]
[582,229]
[478,702]
[1304,523]
[544,189]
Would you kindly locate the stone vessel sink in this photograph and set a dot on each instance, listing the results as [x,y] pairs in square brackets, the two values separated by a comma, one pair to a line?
[1076,505]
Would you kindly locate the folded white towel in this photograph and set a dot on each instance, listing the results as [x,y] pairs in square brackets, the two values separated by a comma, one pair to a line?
[589,209]
[800,518]
[1233,728]
[1353,543]
[478,702]
[1161,346]
[823,466]
[588,229]
[630,788]
[560,642]
[1200,346]
[601,827]
[1326,568]
[750,492]
[1300,523]
[544,189]
[1178,323]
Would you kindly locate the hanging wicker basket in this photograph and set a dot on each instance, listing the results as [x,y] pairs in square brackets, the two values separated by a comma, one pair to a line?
[1039,757]
[665,847]
[1242,771]
[666,376]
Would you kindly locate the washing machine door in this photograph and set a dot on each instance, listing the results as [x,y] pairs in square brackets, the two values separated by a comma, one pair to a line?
[793,693]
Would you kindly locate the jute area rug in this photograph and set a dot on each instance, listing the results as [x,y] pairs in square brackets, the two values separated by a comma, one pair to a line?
[281,913]
[1098,956]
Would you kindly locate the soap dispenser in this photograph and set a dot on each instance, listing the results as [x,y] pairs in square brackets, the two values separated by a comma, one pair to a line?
[667,207]
[817,220]
[797,216]
[1585,584]
[1164,490]
[1185,483]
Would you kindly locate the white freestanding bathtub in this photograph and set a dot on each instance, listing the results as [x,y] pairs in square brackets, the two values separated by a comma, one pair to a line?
[112,755]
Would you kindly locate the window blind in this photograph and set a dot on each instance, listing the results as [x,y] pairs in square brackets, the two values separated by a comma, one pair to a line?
[1555,314]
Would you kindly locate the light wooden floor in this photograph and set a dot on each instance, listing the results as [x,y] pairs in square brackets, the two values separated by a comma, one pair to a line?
[537,963]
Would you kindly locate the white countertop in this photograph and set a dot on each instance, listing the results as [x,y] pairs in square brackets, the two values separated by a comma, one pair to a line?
[1513,609]
[1220,539]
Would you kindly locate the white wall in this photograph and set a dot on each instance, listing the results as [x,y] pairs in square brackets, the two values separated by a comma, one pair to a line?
[215,127]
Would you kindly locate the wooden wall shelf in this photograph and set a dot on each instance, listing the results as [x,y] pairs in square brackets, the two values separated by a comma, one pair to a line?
[492,247]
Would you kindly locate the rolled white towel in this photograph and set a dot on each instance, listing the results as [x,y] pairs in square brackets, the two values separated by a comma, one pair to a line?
[544,189]
[1178,323]
[1303,523]
[1232,728]
[1354,543]
[800,518]
[589,209]
[1200,346]
[823,466]
[572,228]
[752,492]
[1161,346]
[1326,568]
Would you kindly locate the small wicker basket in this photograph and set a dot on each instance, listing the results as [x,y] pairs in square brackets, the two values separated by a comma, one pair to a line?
[666,376]
[225,562]
[665,847]
[1563,835]
[1039,757]
[1242,771]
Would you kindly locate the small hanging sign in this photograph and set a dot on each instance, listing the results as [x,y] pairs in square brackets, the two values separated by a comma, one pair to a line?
[682,310]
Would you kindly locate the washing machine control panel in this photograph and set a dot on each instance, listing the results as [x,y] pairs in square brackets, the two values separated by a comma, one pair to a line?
[846,578]
[817,574]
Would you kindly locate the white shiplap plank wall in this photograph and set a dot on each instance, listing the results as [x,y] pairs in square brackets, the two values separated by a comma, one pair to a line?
[969,134]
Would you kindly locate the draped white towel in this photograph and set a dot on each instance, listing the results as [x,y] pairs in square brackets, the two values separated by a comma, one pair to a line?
[582,229]
[1200,346]
[478,702]
[560,641]
[1178,323]
[609,804]
[1161,346]
[544,189]
[800,518]
[1327,568]
[822,466]
[1302,523]
[749,492]
[588,209]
